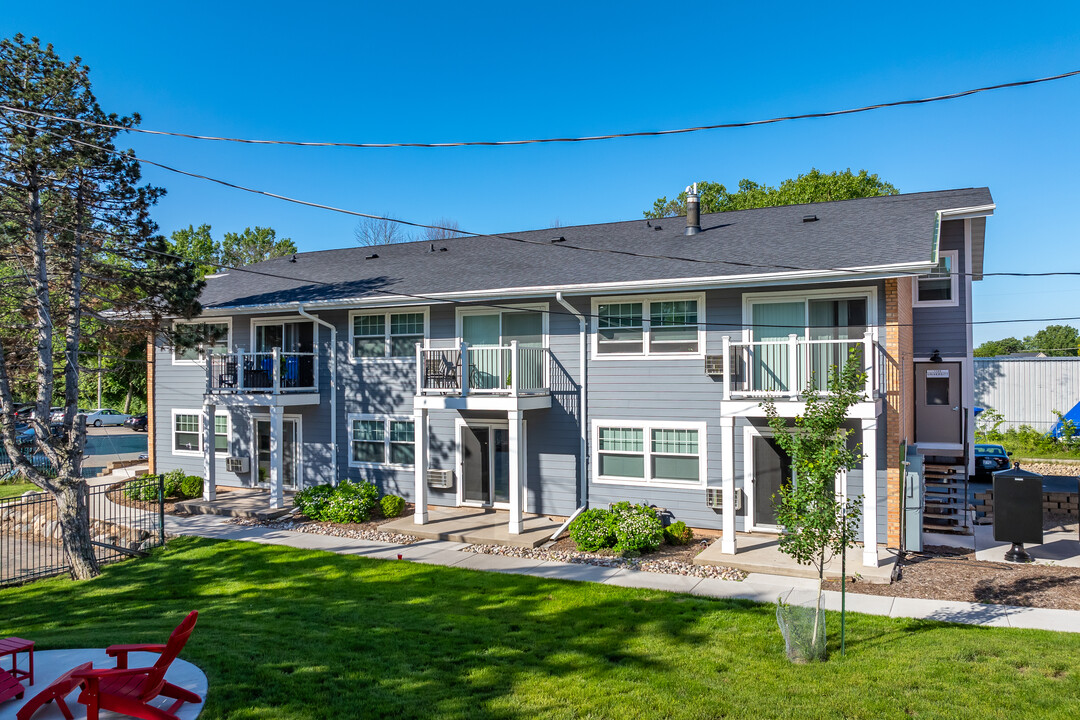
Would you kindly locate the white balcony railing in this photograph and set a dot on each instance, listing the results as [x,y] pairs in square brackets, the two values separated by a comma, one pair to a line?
[274,372]
[512,370]
[777,368]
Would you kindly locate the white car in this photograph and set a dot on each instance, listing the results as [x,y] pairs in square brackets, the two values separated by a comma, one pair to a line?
[58,414]
[105,416]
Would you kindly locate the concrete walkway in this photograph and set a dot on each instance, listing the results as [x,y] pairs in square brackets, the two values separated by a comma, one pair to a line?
[759,587]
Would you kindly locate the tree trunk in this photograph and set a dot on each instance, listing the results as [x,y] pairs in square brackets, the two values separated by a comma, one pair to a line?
[73,513]
[127,401]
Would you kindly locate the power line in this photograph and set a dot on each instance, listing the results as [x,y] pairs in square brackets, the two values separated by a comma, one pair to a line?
[536,141]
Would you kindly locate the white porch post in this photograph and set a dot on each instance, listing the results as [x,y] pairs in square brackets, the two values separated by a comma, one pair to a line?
[277,455]
[516,475]
[420,438]
[727,478]
[869,489]
[209,492]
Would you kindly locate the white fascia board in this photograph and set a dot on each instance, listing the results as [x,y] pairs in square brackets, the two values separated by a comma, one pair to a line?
[875,272]
[966,213]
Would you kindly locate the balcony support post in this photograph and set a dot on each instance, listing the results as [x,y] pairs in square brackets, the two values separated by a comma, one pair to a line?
[277,456]
[209,492]
[240,369]
[793,366]
[419,369]
[869,490]
[464,350]
[420,463]
[277,371]
[514,380]
[517,474]
[727,367]
[869,363]
[727,479]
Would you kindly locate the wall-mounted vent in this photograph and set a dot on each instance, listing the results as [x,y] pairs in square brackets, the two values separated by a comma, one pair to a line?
[239,465]
[440,478]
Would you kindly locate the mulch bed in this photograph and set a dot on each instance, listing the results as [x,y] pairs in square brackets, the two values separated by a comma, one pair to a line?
[115,493]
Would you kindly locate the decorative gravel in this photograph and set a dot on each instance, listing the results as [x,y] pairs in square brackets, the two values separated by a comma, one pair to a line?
[670,567]
[357,532]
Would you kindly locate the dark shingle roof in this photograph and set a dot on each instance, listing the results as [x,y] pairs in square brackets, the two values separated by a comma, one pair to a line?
[868,232]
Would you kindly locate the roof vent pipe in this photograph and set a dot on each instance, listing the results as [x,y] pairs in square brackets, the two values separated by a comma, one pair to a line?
[693,211]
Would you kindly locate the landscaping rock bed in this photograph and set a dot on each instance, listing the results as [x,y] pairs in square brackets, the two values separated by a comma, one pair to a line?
[357,531]
[669,559]
[946,573]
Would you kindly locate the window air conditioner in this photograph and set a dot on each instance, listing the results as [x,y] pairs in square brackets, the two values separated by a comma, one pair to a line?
[440,478]
[714,498]
[237,465]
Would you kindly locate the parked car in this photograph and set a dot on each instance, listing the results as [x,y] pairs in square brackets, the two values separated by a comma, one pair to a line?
[136,422]
[989,459]
[105,416]
[58,413]
[25,434]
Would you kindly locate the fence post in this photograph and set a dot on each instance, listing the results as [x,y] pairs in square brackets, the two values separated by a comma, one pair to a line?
[161,510]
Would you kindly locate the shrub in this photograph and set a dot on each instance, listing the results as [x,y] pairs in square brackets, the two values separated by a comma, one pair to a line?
[593,530]
[351,502]
[391,505]
[173,479]
[191,486]
[144,489]
[637,528]
[312,501]
[678,534]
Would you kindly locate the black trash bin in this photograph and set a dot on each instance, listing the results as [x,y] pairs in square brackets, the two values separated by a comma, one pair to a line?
[1018,510]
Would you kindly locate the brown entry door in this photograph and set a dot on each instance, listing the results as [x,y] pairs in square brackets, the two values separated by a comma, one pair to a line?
[939,417]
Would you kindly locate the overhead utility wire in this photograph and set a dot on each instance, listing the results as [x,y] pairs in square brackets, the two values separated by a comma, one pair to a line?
[587,138]
[511,238]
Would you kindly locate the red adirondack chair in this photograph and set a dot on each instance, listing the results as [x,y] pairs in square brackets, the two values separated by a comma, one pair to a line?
[130,690]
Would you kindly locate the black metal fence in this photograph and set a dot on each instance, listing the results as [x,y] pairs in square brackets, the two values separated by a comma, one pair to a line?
[126,519]
[38,460]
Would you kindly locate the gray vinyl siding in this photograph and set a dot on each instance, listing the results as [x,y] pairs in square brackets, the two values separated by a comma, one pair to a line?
[945,328]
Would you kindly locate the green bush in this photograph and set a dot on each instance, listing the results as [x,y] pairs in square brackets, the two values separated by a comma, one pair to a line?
[391,505]
[173,479]
[191,486]
[678,534]
[312,501]
[144,489]
[637,528]
[593,530]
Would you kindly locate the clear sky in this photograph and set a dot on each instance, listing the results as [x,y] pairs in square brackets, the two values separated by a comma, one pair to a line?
[431,72]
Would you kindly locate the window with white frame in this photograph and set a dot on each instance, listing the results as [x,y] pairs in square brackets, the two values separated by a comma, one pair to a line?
[219,343]
[939,286]
[381,440]
[387,334]
[665,325]
[187,432]
[650,453]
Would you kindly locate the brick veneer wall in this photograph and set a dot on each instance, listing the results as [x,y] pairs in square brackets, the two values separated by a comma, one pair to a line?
[899,410]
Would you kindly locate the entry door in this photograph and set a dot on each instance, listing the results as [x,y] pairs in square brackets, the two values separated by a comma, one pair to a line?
[289,447]
[485,465]
[772,470]
[938,414]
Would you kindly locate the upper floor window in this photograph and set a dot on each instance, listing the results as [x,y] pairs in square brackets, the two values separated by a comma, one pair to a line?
[939,286]
[387,334]
[218,333]
[660,326]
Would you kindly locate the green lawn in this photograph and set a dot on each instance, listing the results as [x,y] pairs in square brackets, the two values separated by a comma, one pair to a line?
[285,633]
[15,490]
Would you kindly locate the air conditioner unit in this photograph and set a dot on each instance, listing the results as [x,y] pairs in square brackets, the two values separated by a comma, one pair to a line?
[714,498]
[440,478]
[237,465]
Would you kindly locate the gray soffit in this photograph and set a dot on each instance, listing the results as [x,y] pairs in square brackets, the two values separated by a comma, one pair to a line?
[882,233]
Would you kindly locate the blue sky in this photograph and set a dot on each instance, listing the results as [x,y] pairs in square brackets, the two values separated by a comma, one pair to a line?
[430,72]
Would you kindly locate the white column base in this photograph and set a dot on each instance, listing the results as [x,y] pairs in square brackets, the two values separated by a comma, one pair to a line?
[869,557]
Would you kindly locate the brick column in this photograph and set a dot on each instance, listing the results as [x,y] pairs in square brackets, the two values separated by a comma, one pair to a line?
[898,341]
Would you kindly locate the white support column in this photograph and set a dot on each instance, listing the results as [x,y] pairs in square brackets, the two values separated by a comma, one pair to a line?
[727,367]
[209,492]
[727,478]
[869,489]
[793,366]
[420,438]
[277,457]
[517,476]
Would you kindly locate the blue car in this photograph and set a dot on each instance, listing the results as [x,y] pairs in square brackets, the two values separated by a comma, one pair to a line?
[989,459]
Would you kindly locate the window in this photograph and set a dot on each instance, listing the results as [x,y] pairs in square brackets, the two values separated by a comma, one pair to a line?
[219,331]
[381,441]
[387,334]
[650,453]
[939,286]
[662,326]
[188,432]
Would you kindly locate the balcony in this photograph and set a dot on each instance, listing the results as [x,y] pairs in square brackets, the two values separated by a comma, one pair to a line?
[263,378]
[488,375]
[783,369]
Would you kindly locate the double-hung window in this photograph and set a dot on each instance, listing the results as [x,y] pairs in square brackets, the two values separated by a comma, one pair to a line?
[381,440]
[665,325]
[187,432]
[218,342]
[657,453]
[387,334]
[939,286]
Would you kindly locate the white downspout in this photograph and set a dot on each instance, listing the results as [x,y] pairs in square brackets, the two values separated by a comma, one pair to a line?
[333,388]
[583,482]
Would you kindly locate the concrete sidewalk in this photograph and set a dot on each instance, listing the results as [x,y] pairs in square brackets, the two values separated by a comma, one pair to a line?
[758,587]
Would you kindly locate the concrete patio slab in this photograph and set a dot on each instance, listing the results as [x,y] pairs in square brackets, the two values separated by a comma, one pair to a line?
[1059,547]
[245,503]
[476,525]
[760,553]
[51,664]
[654,581]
